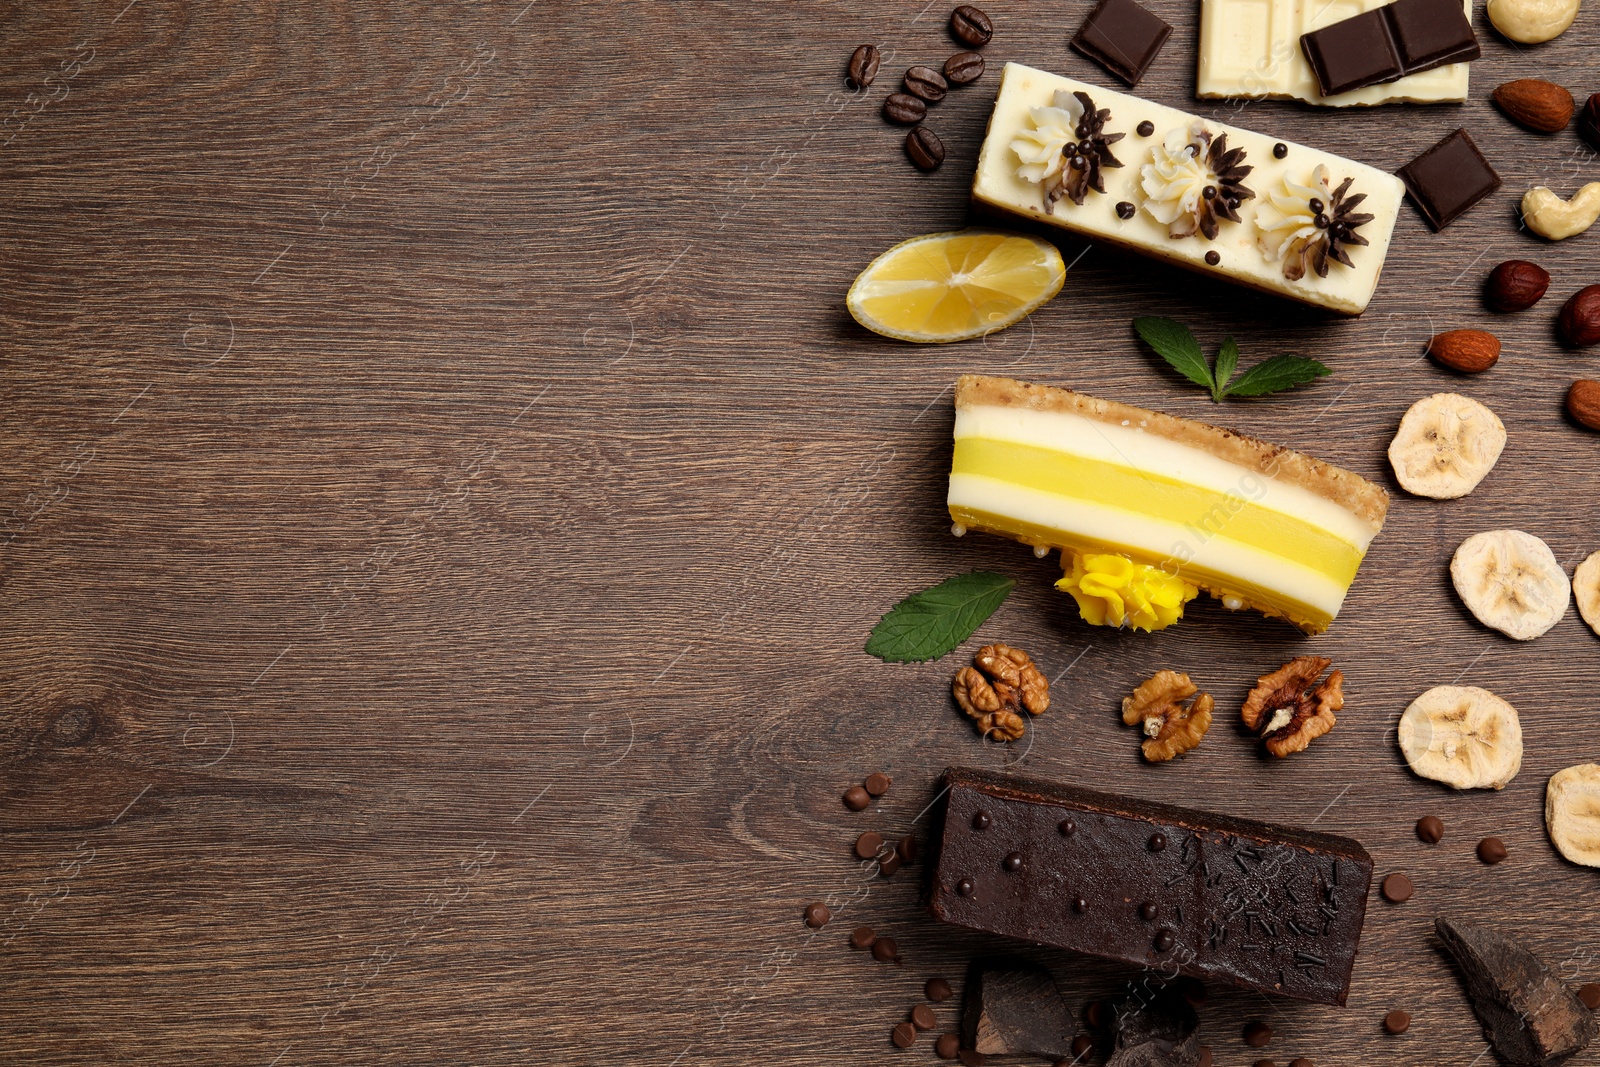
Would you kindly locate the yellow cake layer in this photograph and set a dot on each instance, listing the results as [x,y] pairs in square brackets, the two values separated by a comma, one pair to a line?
[1240,518]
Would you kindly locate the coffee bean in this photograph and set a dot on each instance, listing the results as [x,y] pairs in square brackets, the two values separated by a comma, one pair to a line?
[817,915]
[884,949]
[856,798]
[981,820]
[1397,889]
[938,990]
[862,937]
[903,109]
[1430,829]
[1148,911]
[1589,993]
[1397,1022]
[1082,1045]
[1491,850]
[1213,257]
[878,783]
[1012,862]
[922,1017]
[963,68]
[1158,842]
[1125,210]
[971,26]
[1280,150]
[1257,1034]
[927,83]
[904,1035]
[869,844]
[924,149]
[1145,128]
[947,1046]
[864,65]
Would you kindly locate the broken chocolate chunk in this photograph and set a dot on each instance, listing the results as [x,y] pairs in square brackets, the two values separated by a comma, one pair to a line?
[1156,1029]
[1528,1014]
[1013,1007]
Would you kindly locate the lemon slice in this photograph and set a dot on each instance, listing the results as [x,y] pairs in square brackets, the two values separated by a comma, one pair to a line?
[944,287]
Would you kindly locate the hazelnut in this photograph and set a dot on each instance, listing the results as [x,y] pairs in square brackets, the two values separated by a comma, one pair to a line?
[1583,403]
[1468,351]
[1515,285]
[1579,323]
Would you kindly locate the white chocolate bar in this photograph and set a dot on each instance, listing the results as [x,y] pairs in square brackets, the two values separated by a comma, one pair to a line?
[1004,180]
[1250,49]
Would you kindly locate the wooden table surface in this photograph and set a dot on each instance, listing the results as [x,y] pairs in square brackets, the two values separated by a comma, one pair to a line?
[444,500]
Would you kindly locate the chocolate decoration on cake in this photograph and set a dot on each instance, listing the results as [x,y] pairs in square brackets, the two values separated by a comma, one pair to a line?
[1255,905]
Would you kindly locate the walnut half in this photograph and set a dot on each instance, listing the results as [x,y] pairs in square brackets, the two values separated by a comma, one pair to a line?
[1171,727]
[1289,708]
[1002,683]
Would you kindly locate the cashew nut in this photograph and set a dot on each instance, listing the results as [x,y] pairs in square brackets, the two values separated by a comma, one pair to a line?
[1532,21]
[1550,216]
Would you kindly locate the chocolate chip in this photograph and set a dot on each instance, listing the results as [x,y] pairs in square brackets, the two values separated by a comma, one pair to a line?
[1094,1014]
[1012,862]
[1082,1045]
[878,783]
[963,68]
[864,65]
[904,1035]
[856,798]
[1125,210]
[1397,889]
[1265,1063]
[1280,150]
[1145,128]
[1301,1061]
[1148,911]
[817,915]
[1164,940]
[1080,905]
[1397,1022]
[862,937]
[907,848]
[965,888]
[903,109]
[1213,257]
[922,1017]
[1067,827]
[888,865]
[938,991]
[1193,990]
[924,149]
[947,1046]
[1491,850]
[981,820]
[1589,993]
[869,844]
[1158,842]
[972,1058]
[971,26]
[1430,829]
[884,949]
[926,83]
[1257,1034]
[1205,1057]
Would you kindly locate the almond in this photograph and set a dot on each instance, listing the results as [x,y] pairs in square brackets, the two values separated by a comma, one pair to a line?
[1515,285]
[1579,322]
[1583,402]
[1468,351]
[1537,104]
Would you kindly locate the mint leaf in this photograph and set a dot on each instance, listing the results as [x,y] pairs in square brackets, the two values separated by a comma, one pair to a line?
[928,624]
[1174,343]
[1276,374]
[1227,363]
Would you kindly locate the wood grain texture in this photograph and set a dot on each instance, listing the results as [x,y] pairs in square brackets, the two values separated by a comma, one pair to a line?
[444,499]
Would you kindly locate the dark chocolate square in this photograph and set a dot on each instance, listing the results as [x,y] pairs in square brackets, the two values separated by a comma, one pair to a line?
[1123,37]
[1431,33]
[1352,54]
[1447,179]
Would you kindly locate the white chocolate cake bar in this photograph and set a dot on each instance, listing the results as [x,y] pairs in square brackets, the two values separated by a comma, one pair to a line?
[1251,49]
[1269,214]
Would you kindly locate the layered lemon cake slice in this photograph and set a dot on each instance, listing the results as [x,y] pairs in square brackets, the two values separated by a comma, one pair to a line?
[1148,509]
